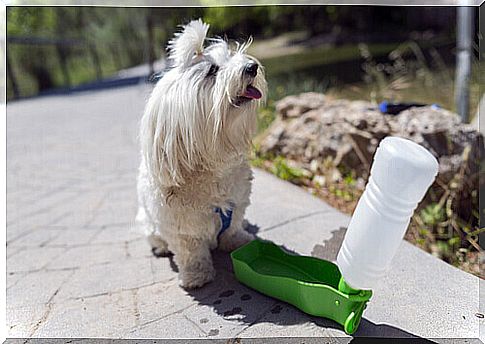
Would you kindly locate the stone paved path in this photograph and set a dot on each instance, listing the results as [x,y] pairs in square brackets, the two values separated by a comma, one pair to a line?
[74,268]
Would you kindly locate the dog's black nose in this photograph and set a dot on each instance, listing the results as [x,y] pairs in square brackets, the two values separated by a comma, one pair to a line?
[251,69]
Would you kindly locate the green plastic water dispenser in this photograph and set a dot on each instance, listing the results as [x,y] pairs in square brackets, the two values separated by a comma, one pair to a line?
[313,285]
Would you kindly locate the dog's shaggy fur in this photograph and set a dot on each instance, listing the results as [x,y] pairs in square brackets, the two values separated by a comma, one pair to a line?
[194,135]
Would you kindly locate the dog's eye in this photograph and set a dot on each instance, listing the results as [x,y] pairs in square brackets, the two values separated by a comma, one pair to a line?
[213,70]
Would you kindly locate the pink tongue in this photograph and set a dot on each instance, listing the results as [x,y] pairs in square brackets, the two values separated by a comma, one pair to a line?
[252,92]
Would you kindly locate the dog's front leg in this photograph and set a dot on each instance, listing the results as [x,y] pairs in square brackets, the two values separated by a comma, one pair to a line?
[235,236]
[194,260]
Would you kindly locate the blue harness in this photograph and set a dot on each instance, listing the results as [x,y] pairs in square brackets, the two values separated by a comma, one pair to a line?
[226,219]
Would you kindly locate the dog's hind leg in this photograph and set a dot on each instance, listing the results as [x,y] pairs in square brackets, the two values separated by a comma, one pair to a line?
[158,245]
[148,217]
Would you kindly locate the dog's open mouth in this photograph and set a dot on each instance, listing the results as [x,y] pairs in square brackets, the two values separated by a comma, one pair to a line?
[249,94]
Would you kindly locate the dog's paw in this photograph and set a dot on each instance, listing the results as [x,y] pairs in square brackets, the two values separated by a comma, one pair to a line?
[161,252]
[234,240]
[191,279]
[159,246]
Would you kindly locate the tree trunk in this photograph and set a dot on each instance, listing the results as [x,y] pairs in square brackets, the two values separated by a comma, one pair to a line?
[62,53]
[96,62]
[151,43]
[13,79]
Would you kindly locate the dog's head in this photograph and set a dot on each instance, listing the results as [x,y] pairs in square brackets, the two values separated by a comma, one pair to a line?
[228,75]
[204,106]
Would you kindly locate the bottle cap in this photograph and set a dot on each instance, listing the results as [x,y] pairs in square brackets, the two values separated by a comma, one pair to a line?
[403,169]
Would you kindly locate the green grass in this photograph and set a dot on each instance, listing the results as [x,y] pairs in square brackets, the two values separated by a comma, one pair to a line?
[284,171]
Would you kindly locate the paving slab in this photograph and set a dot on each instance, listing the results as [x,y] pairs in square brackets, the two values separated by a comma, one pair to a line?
[75,268]
[104,316]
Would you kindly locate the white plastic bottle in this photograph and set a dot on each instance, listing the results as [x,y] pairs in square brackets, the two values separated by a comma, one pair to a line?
[401,174]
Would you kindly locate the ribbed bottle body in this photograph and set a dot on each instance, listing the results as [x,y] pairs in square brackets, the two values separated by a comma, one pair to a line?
[400,175]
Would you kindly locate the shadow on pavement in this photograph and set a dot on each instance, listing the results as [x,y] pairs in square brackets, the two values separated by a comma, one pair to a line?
[233,301]
[369,329]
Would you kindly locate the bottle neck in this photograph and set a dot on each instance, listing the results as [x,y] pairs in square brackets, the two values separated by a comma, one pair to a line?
[345,288]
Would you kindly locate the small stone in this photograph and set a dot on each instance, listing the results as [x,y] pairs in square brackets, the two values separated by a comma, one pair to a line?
[319,180]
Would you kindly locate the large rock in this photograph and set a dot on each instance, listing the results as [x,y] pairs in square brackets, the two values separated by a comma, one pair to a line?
[310,128]
[344,130]
[294,106]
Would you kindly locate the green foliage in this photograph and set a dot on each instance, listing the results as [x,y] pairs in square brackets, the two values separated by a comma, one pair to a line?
[344,191]
[256,158]
[433,214]
[257,162]
[119,35]
[266,116]
[38,21]
[226,19]
[282,170]
[105,39]
[260,21]
[349,180]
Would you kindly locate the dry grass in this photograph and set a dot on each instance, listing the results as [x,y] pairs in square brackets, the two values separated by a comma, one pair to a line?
[435,227]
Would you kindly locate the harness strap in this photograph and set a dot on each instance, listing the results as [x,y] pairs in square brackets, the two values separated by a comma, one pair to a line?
[226,219]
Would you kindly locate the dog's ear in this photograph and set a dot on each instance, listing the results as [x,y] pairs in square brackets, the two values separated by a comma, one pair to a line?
[188,44]
[171,134]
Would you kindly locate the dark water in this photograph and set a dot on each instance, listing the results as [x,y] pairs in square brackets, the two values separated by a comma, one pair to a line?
[341,73]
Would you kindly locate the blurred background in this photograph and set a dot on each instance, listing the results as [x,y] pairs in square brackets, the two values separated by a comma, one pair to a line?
[316,48]
[351,57]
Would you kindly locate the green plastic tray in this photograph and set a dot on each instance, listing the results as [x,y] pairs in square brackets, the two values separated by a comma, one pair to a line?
[308,283]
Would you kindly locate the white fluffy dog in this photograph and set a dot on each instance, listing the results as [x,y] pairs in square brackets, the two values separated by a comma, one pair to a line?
[194,179]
